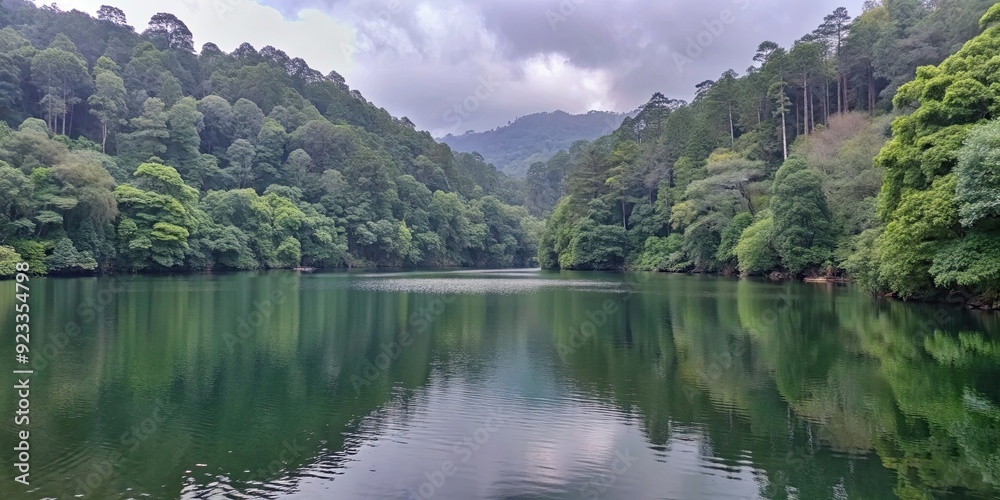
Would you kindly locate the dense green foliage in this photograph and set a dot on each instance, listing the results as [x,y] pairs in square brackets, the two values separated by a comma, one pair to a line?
[773,171]
[515,147]
[128,151]
[941,191]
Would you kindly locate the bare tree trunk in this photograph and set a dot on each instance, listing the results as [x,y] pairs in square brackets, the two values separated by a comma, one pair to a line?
[812,115]
[840,105]
[784,135]
[65,112]
[104,136]
[871,89]
[732,129]
[826,100]
[847,100]
[805,105]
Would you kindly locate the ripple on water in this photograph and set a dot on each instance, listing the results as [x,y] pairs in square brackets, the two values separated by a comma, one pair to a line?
[479,286]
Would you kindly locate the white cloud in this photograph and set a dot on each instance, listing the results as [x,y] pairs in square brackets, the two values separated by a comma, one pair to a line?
[314,36]
[421,58]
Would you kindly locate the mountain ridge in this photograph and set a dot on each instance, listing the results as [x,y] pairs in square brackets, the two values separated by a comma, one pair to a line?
[535,137]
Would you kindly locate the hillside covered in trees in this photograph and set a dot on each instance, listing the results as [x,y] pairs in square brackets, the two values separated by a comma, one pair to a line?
[125,150]
[514,147]
[826,158]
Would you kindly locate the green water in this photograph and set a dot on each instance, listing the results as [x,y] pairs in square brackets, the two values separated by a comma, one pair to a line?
[501,385]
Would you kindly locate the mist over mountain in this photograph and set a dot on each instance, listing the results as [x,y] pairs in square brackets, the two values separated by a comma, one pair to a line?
[512,148]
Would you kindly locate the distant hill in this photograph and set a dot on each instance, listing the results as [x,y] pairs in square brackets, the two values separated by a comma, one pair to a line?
[536,137]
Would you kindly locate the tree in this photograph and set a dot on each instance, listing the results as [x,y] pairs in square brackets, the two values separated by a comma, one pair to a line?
[865,34]
[113,15]
[270,146]
[168,32]
[781,103]
[158,216]
[806,59]
[978,176]
[922,224]
[938,234]
[328,145]
[247,120]
[836,26]
[731,236]
[755,250]
[60,74]
[170,90]
[296,168]
[764,51]
[241,155]
[724,93]
[66,258]
[185,123]
[9,258]
[107,103]
[149,134]
[619,176]
[16,205]
[10,85]
[802,230]
[218,118]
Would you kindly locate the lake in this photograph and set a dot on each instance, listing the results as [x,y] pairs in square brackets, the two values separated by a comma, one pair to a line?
[515,384]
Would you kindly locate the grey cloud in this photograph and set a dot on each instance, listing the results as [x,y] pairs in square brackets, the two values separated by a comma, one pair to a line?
[422,72]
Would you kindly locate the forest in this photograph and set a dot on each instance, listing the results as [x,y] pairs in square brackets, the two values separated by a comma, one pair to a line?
[865,151]
[128,151]
[869,151]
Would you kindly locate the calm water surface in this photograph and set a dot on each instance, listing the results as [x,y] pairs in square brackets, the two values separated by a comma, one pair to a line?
[499,385]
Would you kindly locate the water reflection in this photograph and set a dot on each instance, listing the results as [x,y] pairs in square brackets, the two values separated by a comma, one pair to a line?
[509,384]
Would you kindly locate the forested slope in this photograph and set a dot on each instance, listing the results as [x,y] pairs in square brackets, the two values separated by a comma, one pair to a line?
[514,147]
[780,171]
[127,150]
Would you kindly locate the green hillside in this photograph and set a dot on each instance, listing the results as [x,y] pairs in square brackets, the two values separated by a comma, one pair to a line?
[514,147]
[127,150]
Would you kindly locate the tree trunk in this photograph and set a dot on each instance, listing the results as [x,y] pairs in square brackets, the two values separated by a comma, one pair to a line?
[871,89]
[65,112]
[104,137]
[840,105]
[812,115]
[784,135]
[732,129]
[847,101]
[826,100]
[805,105]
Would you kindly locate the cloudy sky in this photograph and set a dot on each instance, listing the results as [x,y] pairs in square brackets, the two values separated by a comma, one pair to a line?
[456,65]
